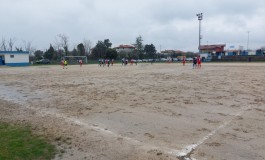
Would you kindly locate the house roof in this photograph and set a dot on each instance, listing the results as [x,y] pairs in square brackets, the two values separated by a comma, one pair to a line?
[125,46]
[208,47]
[14,52]
[172,51]
[168,51]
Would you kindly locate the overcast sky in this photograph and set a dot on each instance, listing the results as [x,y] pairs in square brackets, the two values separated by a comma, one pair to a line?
[171,24]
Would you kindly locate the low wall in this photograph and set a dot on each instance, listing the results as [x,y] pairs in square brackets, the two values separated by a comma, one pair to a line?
[239,59]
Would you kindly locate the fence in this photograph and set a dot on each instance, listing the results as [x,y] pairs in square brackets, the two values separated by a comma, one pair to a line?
[238,59]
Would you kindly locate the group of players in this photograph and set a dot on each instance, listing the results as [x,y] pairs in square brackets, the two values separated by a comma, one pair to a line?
[64,63]
[105,62]
[196,62]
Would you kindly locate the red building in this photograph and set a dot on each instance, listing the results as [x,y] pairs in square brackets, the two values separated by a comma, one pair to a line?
[214,50]
[208,51]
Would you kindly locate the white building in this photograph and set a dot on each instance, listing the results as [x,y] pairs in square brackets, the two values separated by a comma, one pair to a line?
[14,58]
[252,52]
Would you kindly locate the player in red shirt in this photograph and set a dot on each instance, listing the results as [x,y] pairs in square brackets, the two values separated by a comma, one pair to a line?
[80,62]
[183,60]
[199,62]
[62,63]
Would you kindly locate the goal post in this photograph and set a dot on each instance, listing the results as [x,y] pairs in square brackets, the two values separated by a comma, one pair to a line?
[75,59]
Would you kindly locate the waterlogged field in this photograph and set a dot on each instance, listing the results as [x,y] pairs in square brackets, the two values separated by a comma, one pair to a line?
[159,111]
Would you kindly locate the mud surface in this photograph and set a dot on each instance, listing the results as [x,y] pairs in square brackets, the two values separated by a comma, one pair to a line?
[159,111]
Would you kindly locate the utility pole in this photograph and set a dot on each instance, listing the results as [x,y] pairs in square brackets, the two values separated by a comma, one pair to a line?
[200,17]
[160,51]
[248,41]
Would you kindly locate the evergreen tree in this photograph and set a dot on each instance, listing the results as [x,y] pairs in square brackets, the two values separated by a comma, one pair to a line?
[111,53]
[81,49]
[38,54]
[101,48]
[150,50]
[49,53]
[139,45]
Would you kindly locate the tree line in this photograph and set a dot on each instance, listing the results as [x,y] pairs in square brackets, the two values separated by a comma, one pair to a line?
[9,45]
[102,50]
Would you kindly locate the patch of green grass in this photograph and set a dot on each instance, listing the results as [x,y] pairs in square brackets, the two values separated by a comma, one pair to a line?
[20,144]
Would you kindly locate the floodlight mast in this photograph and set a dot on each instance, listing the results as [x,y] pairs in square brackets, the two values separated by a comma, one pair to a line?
[200,17]
[248,42]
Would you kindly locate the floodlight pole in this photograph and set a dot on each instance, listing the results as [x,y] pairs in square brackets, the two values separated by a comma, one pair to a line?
[200,17]
[248,41]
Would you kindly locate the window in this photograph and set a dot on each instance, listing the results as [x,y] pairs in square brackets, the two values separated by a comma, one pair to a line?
[12,56]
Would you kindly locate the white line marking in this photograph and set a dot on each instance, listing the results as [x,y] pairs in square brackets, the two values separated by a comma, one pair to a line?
[188,149]
[21,101]
[179,153]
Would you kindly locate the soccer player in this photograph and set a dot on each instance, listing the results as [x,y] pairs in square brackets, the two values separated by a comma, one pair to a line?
[65,64]
[199,62]
[194,62]
[80,62]
[183,60]
[62,63]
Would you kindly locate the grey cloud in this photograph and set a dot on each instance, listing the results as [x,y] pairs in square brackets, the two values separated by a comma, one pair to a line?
[169,23]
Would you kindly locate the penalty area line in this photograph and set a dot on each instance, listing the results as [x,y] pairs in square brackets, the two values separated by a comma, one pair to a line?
[185,153]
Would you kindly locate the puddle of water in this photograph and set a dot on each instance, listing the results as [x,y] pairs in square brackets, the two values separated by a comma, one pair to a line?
[19,95]
[11,94]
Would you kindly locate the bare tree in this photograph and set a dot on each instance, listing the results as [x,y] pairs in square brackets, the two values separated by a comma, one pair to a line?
[19,49]
[28,47]
[64,40]
[3,44]
[58,47]
[87,46]
[57,44]
[11,43]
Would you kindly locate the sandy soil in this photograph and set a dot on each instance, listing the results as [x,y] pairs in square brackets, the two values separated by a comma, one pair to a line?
[155,112]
